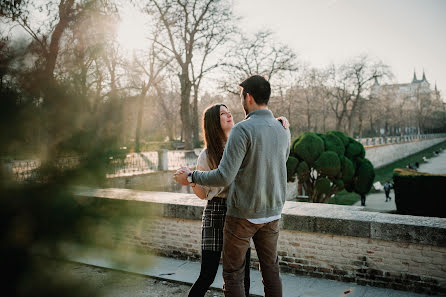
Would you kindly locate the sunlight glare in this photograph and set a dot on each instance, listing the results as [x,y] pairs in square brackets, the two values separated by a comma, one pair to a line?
[131,34]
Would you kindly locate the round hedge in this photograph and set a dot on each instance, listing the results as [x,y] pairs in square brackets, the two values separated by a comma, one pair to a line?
[309,147]
[334,143]
[339,183]
[303,171]
[328,164]
[338,159]
[341,136]
[322,185]
[291,166]
[354,149]
[348,170]
[365,177]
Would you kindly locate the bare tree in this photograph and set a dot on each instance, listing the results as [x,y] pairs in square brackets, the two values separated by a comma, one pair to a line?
[339,95]
[147,71]
[309,94]
[260,55]
[350,85]
[191,28]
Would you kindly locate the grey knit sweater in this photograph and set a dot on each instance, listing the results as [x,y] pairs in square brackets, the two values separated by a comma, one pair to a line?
[254,167]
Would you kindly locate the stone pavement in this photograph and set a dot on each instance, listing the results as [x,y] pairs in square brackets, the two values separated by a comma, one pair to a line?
[377,201]
[435,165]
[186,272]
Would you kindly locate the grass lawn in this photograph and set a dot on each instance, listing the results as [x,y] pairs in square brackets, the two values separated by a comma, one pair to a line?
[385,173]
[344,198]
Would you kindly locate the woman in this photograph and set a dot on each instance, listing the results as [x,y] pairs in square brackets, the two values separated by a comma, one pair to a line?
[217,123]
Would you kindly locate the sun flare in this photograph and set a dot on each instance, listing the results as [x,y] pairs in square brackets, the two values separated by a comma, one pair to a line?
[131,34]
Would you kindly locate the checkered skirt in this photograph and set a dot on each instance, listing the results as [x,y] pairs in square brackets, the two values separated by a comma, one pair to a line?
[213,221]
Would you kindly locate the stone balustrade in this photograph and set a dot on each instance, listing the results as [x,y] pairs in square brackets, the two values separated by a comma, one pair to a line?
[319,240]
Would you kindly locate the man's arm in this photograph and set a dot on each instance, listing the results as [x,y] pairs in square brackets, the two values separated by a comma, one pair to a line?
[233,155]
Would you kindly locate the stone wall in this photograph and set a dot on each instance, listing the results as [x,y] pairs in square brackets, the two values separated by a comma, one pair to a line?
[381,155]
[320,240]
[163,181]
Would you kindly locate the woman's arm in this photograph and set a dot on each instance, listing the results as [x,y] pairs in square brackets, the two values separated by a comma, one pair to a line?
[199,191]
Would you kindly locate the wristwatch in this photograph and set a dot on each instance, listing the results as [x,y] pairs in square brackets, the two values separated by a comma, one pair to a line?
[189,177]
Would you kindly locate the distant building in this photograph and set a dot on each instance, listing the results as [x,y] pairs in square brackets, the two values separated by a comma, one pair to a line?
[410,90]
[409,98]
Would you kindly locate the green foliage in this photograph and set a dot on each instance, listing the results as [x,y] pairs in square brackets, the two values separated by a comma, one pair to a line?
[303,171]
[291,166]
[339,183]
[365,176]
[331,162]
[334,143]
[354,150]
[348,170]
[411,185]
[292,146]
[341,136]
[349,187]
[322,185]
[328,164]
[309,147]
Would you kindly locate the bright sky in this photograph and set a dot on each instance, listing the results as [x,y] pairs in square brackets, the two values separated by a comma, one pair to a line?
[404,34]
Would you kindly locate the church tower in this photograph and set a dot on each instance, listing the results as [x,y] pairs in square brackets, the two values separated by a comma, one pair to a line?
[414,80]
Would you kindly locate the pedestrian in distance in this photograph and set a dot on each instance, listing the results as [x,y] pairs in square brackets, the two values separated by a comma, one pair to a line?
[387,188]
[363,197]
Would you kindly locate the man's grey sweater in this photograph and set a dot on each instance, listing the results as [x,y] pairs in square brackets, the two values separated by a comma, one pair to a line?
[254,165]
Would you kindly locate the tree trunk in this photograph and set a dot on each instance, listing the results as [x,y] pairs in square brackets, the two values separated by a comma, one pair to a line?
[195,121]
[139,122]
[338,123]
[308,119]
[350,126]
[185,110]
[53,51]
[51,92]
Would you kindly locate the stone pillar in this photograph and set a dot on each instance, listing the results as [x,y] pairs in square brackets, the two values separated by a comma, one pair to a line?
[163,163]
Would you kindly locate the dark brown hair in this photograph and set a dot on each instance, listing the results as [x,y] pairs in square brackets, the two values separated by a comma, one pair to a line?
[258,87]
[214,137]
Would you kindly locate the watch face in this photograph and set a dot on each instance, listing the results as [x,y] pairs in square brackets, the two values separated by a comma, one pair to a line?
[189,178]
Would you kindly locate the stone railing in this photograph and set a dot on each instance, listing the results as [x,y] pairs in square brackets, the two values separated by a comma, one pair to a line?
[319,240]
[382,155]
[164,160]
[375,141]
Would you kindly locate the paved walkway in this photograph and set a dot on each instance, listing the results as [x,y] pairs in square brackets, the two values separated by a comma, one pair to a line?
[170,269]
[435,165]
[377,201]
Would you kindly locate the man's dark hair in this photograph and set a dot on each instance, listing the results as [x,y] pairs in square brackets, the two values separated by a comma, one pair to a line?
[258,87]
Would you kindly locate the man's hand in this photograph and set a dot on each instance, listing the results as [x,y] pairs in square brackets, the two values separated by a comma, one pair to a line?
[284,122]
[180,176]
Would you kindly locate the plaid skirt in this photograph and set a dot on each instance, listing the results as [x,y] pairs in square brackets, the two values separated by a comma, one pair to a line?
[213,221]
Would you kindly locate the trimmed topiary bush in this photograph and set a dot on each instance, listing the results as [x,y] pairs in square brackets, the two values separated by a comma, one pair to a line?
[419,193]
[329,163]
[364,173]
[291,165]
[334,143]
[309,147]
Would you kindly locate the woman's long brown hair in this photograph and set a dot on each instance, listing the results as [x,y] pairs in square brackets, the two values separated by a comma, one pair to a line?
[214,137]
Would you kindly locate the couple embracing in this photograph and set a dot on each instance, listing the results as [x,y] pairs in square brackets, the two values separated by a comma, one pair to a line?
[242,174]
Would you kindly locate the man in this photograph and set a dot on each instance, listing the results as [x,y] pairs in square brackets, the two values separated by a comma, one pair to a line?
[387,190]
[254,165]
[363,197]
